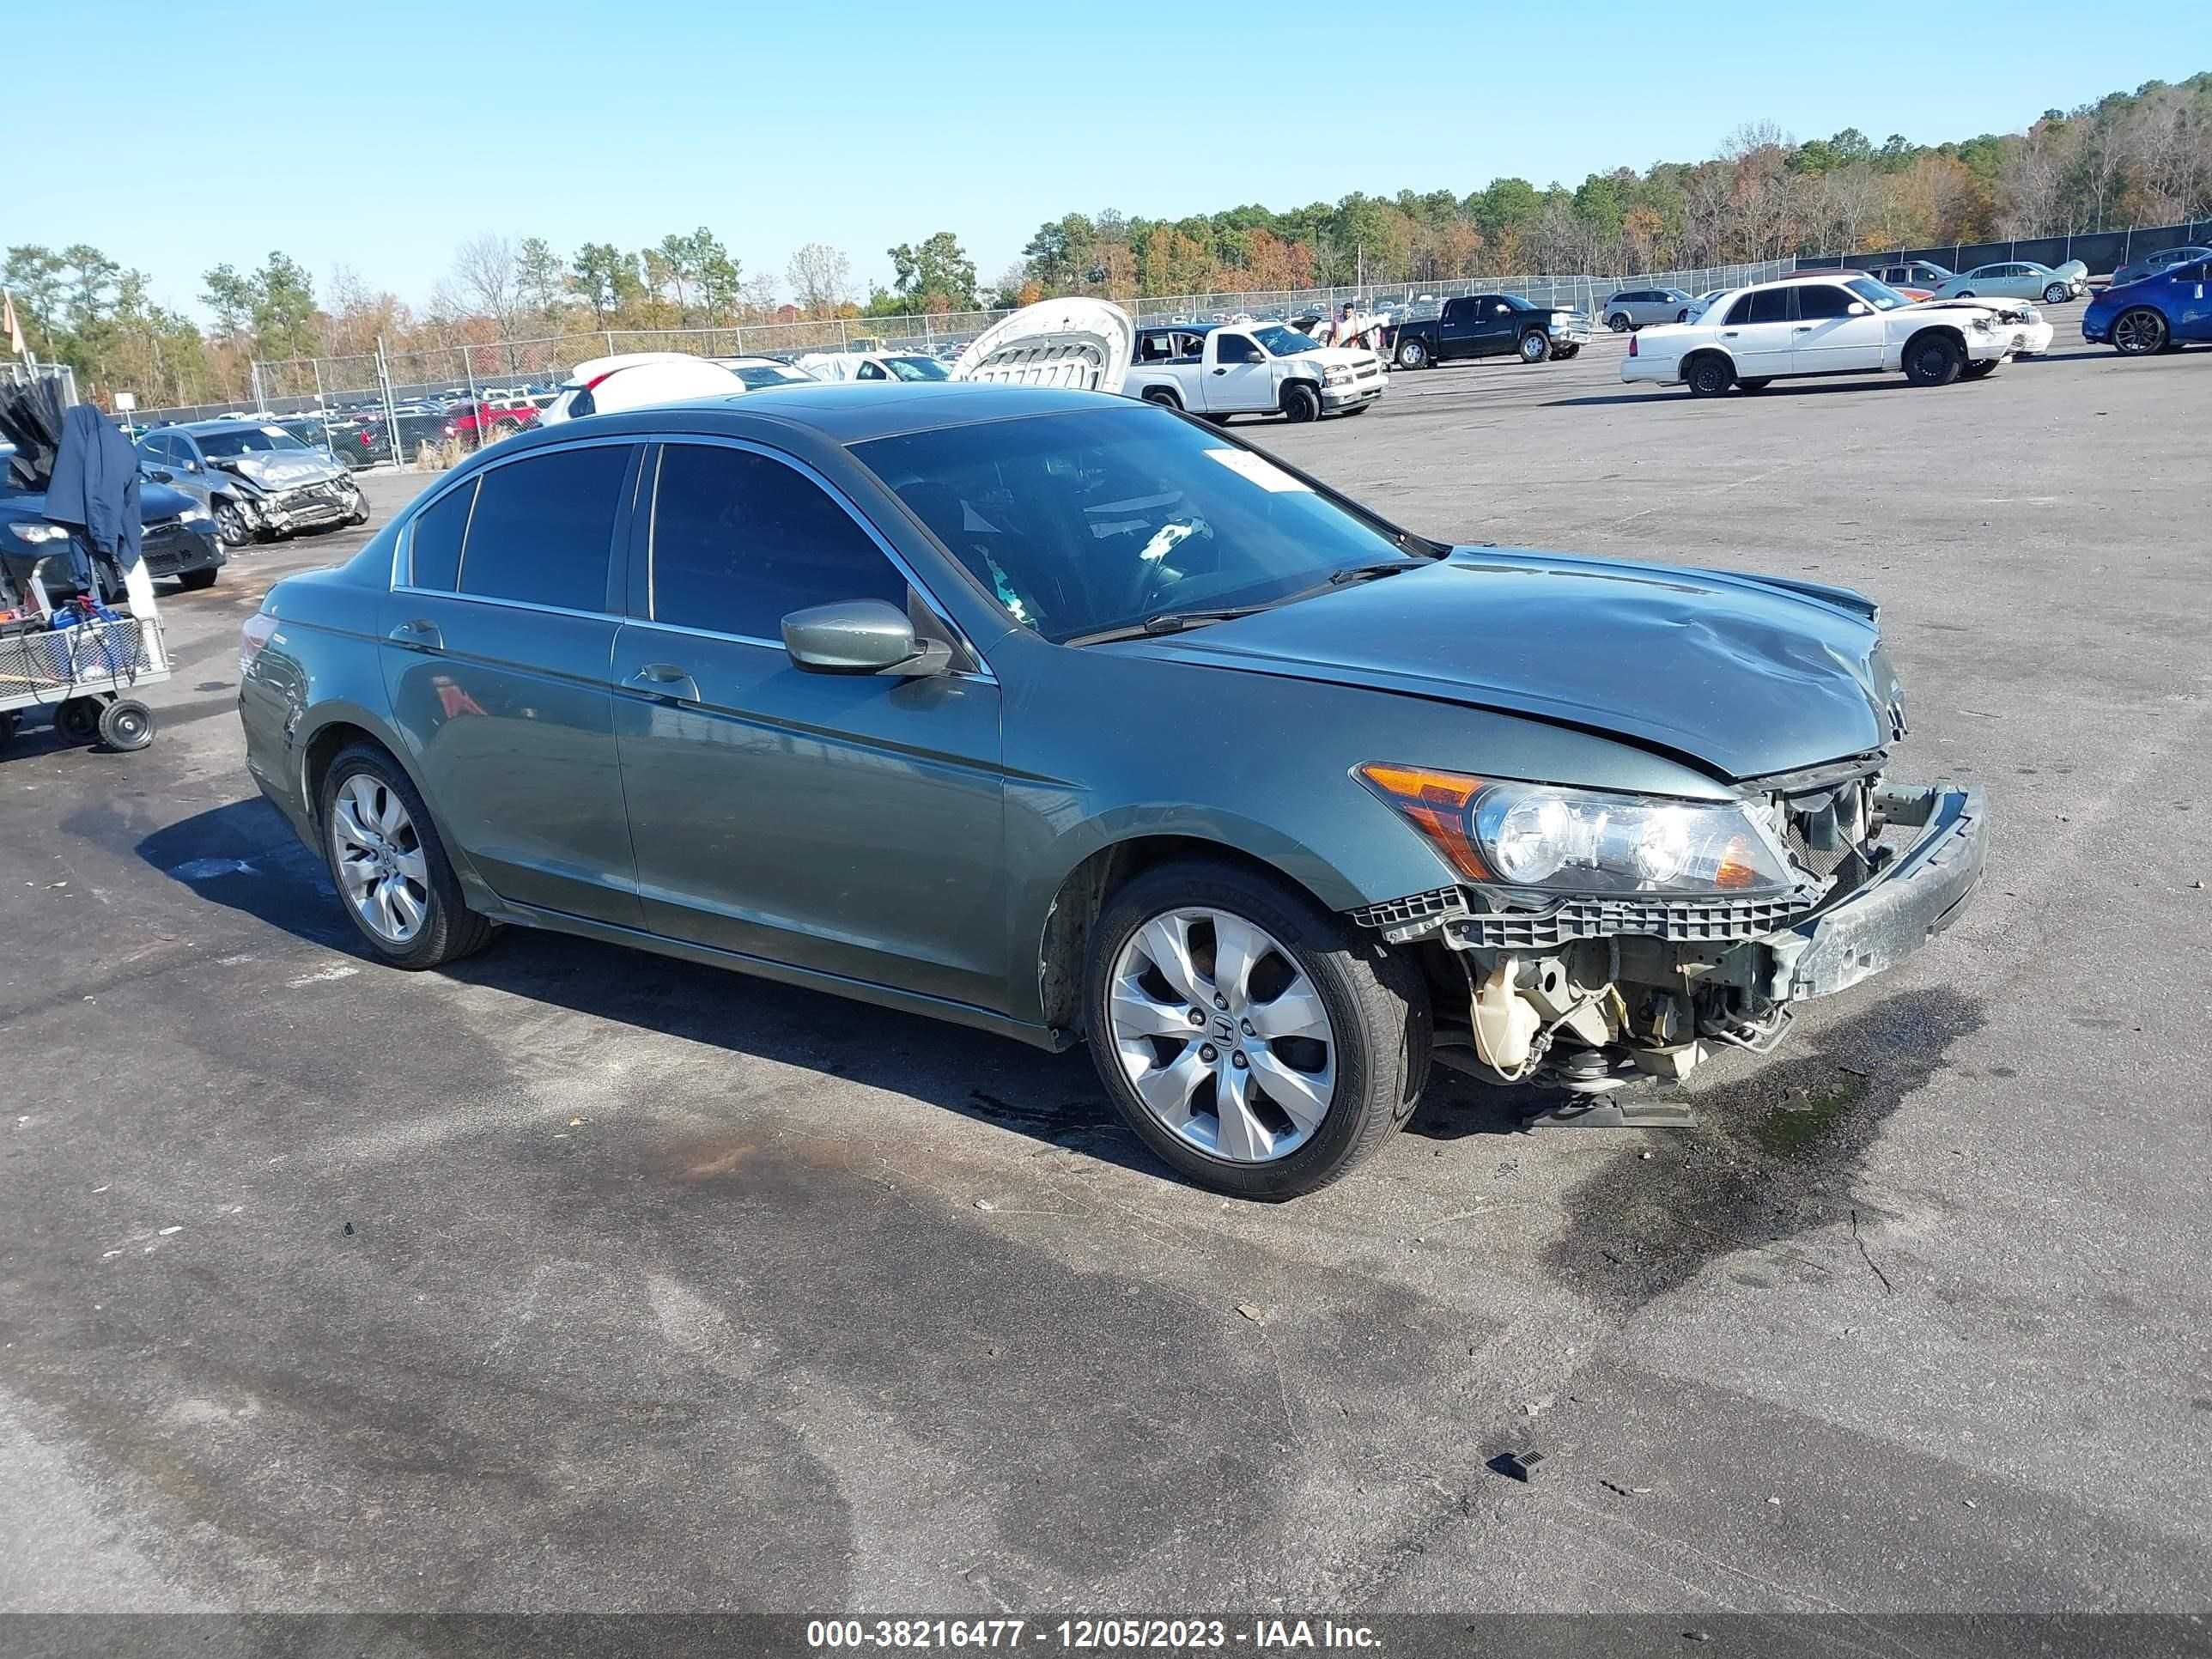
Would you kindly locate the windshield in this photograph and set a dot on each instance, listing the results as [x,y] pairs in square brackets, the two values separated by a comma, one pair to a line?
[250,441]
[917,368]
[1282,342]
[1881,295]
[1094,520]
[767,374]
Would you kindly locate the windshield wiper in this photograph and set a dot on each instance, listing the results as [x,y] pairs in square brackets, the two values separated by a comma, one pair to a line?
[1361,573]
[1170,622]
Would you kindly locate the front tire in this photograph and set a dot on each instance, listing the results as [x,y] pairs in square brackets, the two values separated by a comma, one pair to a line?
[231,528]
[126,724]
[2057,294]
[1979,371]
[1934,360]
[1757,383]
[391,869]
[194,581]
[1301,403]
[2140,331]
[1412,354]
[1565,353]
[1261,1046]
[1535,347]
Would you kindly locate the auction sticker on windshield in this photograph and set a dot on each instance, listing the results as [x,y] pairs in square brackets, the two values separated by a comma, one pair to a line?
[1260,470]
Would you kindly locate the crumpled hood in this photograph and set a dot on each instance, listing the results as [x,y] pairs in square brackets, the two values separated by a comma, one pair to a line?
[1746,676]
[281,472]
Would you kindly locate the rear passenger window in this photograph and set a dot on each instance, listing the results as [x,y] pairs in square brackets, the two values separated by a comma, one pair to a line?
[1817,302]
[739,542]
[542,528]
[434,544]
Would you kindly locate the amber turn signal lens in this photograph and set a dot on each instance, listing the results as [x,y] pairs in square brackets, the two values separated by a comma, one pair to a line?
[1434,803]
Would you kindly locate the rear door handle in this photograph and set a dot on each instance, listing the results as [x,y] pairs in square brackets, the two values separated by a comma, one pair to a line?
[664,679]
[420,634]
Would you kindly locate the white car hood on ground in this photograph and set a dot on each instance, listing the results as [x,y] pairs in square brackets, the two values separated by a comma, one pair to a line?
[1076,342]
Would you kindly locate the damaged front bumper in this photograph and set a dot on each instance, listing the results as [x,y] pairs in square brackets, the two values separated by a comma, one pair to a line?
[308,507]
[1917,896]
[1585,989]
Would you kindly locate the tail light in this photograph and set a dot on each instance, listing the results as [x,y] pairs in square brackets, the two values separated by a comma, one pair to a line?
[252,637]
[1631,345]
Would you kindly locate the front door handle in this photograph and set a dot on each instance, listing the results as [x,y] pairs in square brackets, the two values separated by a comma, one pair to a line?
[1803,328]
[420,634]
[664,679]
[1220,371]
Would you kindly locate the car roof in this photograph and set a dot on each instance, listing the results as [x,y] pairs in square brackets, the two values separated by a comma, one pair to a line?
[221,426]
[839,413]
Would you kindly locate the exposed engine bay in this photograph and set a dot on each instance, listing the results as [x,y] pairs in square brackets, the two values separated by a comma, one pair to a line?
[1589,994]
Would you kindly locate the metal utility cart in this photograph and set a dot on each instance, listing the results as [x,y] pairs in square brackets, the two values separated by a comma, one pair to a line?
[87,674]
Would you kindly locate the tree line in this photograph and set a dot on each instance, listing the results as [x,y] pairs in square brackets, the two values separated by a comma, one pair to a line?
[2143,157]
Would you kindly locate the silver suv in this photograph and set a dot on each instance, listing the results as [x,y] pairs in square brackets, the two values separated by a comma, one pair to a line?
[1637,308]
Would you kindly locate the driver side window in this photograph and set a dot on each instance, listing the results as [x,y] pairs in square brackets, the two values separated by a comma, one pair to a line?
[1235,349]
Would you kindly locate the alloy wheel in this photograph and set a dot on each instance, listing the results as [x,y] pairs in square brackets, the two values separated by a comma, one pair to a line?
[379,859]
[2139,332]
[1222,1034]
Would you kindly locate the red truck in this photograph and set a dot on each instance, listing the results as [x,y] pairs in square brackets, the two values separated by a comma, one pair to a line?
[484,421]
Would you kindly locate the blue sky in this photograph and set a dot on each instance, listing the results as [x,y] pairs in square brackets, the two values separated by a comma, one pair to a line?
[383,134]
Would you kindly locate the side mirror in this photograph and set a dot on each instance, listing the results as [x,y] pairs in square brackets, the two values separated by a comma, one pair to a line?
[1858,308]
[861,636]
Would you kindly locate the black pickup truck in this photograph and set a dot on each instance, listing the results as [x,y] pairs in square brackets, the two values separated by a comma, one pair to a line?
[1489,325]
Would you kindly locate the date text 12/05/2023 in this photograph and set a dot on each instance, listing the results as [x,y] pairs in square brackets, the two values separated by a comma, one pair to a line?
[1092,1634]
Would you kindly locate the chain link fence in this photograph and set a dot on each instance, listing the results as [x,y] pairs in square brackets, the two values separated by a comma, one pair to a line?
[405,393]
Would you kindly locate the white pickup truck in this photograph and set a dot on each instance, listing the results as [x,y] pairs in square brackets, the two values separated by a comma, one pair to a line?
[1220,369]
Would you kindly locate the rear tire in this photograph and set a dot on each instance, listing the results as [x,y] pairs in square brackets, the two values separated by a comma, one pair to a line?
[2140,331]
[1618,322]
[77,719]
[1301,403]
[193,581]
[1163,396]
[1412,354]
[1934,360]
[1536,346]
[449,930]
[1710,375]
[1377,1026]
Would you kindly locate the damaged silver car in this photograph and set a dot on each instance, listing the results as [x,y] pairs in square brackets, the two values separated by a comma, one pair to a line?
[256,480]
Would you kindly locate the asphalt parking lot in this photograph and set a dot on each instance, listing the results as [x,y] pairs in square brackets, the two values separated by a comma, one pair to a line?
[574,1278]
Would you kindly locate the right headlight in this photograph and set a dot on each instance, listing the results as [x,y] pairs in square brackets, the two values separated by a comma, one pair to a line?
[1546,839]
[37,534]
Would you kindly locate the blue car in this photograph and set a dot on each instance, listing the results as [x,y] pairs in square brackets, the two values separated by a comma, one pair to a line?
[2173,308]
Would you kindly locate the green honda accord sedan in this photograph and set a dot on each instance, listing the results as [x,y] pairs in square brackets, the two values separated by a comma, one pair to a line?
[1074,719]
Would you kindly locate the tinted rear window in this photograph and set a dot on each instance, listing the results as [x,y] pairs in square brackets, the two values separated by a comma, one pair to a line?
[1769,305]
[542,528]
[435,559]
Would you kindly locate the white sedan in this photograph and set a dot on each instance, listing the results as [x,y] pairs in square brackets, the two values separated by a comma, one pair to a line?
[1752,336]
